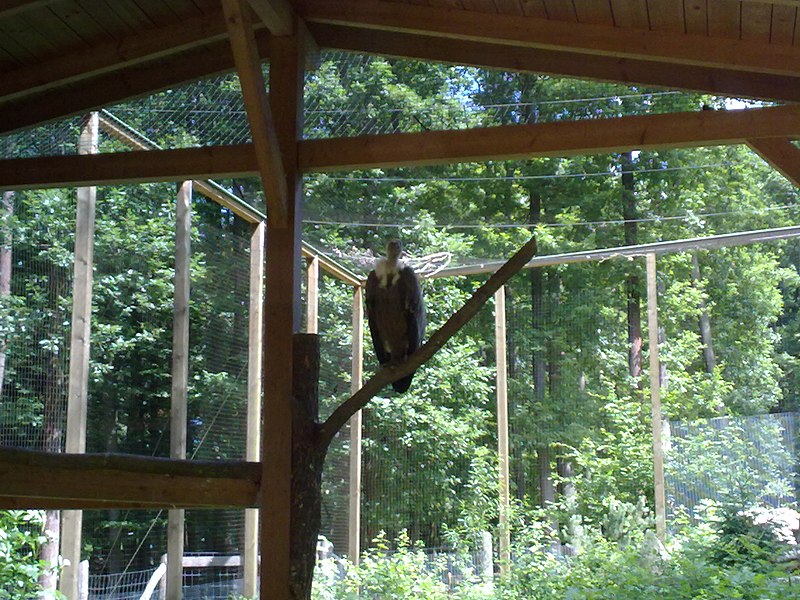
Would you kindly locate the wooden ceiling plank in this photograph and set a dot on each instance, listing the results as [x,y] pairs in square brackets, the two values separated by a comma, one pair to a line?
[714,81]
[724,19]
[592,136]
[783,23]
[594,11]
[520,142]
[695,14]
[110,56]
[10,8]
[156,11]
[509,7]
[756,22]
[102,13]
[105,90]
[560,10]
[550,34]
[486,6]
[534,8]
[34,478]
[781,154]
[277,15]
[666,15]
[631,14]
[78,20]
[259,113]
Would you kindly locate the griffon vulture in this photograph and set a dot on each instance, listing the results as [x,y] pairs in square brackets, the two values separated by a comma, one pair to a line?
[395,310]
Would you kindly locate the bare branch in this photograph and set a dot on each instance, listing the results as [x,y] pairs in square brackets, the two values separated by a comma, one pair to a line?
[389,373]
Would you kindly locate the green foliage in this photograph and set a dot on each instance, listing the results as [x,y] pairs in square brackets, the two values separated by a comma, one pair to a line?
[20,538]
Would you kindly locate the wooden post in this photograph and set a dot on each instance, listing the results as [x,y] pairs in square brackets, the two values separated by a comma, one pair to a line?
[180,379]
[502,426]
[356,377]
[78,390]
[281,321]
[655,399]
[312,295]
[254,358]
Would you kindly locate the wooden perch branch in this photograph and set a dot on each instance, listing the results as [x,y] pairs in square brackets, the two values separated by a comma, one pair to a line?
[389,373]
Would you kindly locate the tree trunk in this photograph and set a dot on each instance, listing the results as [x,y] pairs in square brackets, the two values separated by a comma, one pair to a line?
[705,322]
[632,281]
[308,459]
[6,240]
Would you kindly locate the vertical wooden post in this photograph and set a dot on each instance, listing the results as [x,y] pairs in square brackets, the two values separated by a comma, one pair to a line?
[502,426]
[655,399]
[281,321]
[356,377]
[78,390]
[312,295]
[180,380]
[254,358]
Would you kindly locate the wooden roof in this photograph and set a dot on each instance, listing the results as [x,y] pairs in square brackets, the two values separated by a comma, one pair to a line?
[63,57]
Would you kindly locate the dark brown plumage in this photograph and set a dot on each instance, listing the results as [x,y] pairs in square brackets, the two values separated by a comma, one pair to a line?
[395,310]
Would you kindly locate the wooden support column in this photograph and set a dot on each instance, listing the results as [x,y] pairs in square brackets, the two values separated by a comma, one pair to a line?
[502,426]
[78,391]
[356,378]
[281,321]
[254,359]
[655,398]
[180,380]
[312,295]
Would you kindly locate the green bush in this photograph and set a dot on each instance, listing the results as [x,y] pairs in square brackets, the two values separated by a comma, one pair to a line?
[20,568]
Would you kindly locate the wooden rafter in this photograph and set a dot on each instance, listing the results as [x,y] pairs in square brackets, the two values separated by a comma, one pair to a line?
[135,81]
[669,47]
[112,56]
[259,114]
[34,479]
[277,15]
[514,58]
[568,138]
[591,136]
[782,154]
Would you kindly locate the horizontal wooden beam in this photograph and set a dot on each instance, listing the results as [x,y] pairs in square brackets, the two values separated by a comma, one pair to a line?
[133,82]
[726,82]
[782,154]
[113,56]
[34,479]
[568,138]
[595,39]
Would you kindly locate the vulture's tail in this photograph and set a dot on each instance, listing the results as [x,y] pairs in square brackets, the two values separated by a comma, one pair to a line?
[401,385]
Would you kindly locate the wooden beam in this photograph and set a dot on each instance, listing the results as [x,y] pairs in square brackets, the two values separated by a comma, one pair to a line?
[113,56]
[138,80]
[80,335]
[35,479]
[312,295]
[277,15]
[655,398]
[356,421]
[591,136]
[281,321]
[501,368]
[254,92]
[560,63]
[594,39]
[596,136]
[781,154]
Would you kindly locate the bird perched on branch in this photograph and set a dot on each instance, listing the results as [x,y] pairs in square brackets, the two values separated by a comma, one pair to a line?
[395,310]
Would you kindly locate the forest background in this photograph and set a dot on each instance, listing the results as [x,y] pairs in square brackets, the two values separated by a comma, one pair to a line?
[581,443]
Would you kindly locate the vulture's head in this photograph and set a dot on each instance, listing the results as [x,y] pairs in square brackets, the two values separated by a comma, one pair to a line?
[394,249]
